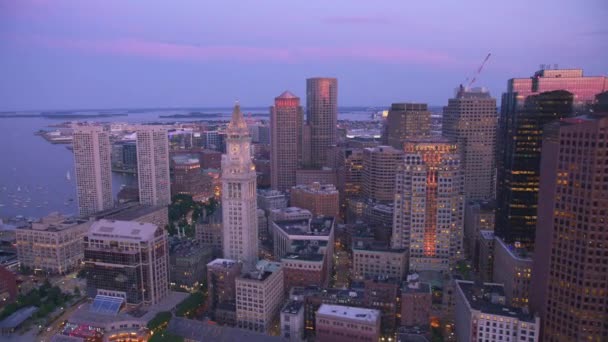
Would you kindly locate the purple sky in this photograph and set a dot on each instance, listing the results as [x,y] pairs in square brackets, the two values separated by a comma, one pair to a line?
[64,54]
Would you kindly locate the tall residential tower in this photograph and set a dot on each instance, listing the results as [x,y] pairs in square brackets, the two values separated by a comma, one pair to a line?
[92,150]
[153,165]
[239,208]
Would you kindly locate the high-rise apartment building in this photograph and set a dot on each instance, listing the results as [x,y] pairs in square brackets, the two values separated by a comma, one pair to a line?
[407,121]
[127,259]
[239,208]
[569,282]
[379,169]
[286,120]
[52,244]
[429,204]
[320,199]
[528,105]
[470,119]
[321,118]
[153,165]
[93,165]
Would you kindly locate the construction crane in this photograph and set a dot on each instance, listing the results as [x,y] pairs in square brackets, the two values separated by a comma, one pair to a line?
[479,70]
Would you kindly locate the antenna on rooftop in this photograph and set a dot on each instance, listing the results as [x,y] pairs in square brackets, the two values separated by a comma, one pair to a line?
[474,78]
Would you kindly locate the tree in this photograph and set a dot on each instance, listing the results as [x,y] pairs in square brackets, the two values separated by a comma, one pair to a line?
[159,321]
[76,291]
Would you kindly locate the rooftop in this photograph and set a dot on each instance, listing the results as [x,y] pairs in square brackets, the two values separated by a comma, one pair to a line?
[487,234]
[185,159]
[128,211]
[264,269]
[54,222]
[522,254]
[320,226]
[358,314]
[316,257]
[292,307]
[287,95]
[225,263]
[129,230]
[317,188]
[489,298]
[18,317]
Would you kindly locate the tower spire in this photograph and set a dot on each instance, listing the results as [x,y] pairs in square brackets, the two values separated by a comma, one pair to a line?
[237,122]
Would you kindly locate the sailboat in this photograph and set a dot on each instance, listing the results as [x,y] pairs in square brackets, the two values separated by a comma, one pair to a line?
[67,175]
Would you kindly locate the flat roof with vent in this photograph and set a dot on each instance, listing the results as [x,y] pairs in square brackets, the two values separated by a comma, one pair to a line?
[349,312]
[122,230]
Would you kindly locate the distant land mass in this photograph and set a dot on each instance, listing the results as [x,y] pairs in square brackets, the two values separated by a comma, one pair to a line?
[59,116]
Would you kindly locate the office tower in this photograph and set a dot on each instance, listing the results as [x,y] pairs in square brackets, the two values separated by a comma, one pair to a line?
[321,200]
[569,282]
[528,105]
[373,261]
[153,165]
[416,300]
[129,260]
[239,209]
[52,244]
[429,205]
[286,120]
[337,323]
[321,117]
[93,166]
[379,168]
[407,121]
[482,315]
[470,119]
[513,268]
[259,295]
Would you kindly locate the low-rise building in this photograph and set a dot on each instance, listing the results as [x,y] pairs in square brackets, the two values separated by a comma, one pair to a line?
[478,215]
[208,231]
[513,268]
[286,214]
[259,295]
[8,286]
[188,263]
[320,199]
[53,244]
[292,321]
[221,281]
[370,260]
[188,178]
[337,323]
[416,301]
[482,314]
[308,176]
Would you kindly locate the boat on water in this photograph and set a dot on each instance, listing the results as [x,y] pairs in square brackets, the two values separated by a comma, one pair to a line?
[18,188]
[67,176]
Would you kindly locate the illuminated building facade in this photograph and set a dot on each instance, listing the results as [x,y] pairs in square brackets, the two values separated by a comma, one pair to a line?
[528,105]
[239,195]
[429,204]
[407,121]
[321,117]
[569,283]
[286,120]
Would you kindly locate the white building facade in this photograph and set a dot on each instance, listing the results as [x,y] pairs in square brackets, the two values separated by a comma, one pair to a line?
[239,195]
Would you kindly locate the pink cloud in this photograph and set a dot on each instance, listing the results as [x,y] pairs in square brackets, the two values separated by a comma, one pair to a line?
[192,52]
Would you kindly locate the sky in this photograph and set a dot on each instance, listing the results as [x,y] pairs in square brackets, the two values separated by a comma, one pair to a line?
[76,54]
